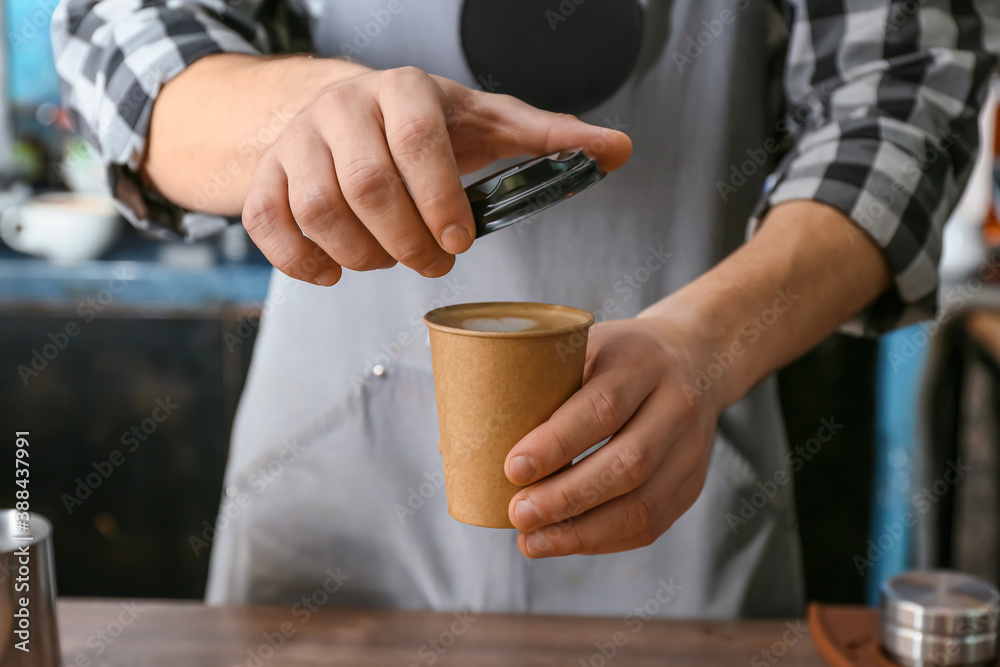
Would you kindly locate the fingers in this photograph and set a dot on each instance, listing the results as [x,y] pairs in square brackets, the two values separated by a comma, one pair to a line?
[627,493]
[372,187]
[354,154]
[319,208]
[634,520]
[420,144]
[616,388]
[268,220]
[620,466]
[532,131]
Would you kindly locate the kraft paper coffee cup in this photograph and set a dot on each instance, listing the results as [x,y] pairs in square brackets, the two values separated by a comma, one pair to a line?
[493,387]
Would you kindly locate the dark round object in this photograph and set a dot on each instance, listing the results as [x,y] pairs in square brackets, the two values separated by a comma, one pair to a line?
[559,55]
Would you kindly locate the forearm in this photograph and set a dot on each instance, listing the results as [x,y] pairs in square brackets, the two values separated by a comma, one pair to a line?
[211,123]
[806,272]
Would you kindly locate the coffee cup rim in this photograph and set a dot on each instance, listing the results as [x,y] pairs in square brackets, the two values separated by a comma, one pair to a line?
[431,323]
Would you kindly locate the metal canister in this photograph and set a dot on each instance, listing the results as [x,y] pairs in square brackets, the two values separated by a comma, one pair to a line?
[30,637]
[939,617]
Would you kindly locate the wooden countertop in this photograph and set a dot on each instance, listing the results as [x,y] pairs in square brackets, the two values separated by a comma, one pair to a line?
[151,633]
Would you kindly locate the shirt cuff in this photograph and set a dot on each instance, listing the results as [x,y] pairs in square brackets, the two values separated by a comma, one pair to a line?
[124,131]
[878,172]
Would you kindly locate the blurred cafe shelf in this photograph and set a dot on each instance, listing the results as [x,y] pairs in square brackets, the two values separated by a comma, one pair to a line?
[141,274]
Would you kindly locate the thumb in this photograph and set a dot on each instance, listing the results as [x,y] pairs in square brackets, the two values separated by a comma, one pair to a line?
[532,131]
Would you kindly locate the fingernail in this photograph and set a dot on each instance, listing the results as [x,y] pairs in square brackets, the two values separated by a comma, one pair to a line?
[327,277]
[455,239]
[434,269]
[522,469]
[538,544]
[525,513]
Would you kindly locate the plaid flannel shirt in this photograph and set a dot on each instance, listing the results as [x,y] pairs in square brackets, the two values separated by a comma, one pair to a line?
[883,100]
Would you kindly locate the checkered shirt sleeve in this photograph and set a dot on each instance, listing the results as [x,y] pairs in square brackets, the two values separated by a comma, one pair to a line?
[883,100]
[113,57]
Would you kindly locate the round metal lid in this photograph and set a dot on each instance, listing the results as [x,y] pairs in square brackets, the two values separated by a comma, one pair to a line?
[941,602]
[912,648]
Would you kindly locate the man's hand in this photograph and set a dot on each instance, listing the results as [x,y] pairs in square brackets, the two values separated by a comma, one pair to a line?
[334,164]
[628,492]
[641,384]
[369,172]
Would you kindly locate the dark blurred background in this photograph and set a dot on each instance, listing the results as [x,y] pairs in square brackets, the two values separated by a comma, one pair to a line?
[156,322]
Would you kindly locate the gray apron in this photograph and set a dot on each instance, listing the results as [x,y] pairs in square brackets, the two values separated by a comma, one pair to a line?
[334,479]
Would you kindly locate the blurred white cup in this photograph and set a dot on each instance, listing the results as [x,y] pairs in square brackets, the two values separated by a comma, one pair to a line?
[64,227]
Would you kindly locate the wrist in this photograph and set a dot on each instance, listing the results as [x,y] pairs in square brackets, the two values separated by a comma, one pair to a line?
[701,337]
[702,327]
[221,114]
[324,73]
[779,294]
